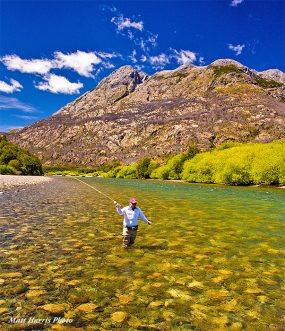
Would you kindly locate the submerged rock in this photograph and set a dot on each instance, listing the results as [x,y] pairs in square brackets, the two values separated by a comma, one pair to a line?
[12,275]
[254,290]
[35,293]
[59,327]
[175,293]
[155,304]
[125,298]
[3,310]
[87,307]
[195,285]
[54,308]
[119,316]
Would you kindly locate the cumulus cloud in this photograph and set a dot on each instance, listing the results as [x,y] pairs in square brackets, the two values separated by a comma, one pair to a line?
[81,62]
[14,86]
[59,84]
[13,103]
[32,66]
[237,49]
[159,61]
[184,56]
[234,3]
[125,23]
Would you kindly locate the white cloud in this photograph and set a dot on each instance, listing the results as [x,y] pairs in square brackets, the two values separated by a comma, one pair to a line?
[130,29]
[234,3]
[105,55]
[81,62]
[146,43]
[201,60]
[25,117]
[108,65]
[13,103]
[125,23]
[143,58]
[138,67]
[112,9]
[152,39]
[15,86]
[184,56]
[237,49]
[131,35]
[31,66]
[159,61]
[59,84]
[133,56]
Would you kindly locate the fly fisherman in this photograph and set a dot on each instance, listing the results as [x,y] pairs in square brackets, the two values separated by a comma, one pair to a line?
[130,225]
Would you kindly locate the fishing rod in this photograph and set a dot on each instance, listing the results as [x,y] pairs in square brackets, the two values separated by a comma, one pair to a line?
[105,195]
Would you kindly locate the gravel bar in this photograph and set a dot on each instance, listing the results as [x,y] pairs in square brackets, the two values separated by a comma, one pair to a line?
[10,181]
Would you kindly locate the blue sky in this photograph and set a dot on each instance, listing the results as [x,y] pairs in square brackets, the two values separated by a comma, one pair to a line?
[53,51]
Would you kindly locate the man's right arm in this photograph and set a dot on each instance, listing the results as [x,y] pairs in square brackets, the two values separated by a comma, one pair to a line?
[119,210]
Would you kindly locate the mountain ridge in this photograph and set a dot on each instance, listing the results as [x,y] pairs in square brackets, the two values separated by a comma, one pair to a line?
[130,114]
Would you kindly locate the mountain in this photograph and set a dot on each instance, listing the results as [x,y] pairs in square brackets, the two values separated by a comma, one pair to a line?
[130,114]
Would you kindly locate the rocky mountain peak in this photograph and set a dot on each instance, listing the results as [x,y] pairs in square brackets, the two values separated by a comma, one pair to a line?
[119,84]
[126,76]
[184,68]
[227,62]
[274,74]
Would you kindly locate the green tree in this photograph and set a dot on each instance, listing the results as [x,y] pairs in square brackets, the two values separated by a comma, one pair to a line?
[160,172]
[142,170]
[192,151]
[127,172]
[15,164]
[7,170]
[8,153]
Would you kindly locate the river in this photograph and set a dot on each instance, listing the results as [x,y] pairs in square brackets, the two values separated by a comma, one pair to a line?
[213,258]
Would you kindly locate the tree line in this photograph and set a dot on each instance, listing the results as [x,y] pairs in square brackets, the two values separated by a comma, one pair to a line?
[230,163]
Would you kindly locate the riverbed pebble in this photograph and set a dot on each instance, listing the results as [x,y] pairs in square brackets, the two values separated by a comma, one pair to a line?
[10,181]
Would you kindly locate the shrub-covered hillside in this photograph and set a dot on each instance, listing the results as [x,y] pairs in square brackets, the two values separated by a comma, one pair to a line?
[15,160]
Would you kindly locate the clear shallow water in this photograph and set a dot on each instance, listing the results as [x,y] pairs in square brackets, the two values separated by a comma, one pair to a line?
[212,260]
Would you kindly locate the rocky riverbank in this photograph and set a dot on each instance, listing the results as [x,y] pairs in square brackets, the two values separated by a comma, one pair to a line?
[10,181]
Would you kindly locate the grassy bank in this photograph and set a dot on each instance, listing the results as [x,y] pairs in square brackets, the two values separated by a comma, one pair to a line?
[231,164]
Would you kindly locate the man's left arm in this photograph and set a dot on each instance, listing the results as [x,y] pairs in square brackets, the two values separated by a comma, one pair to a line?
[142,217]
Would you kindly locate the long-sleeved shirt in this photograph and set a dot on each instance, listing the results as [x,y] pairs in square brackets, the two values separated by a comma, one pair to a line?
[131,216]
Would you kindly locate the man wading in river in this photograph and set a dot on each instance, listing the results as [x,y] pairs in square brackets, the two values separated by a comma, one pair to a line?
[130,225]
